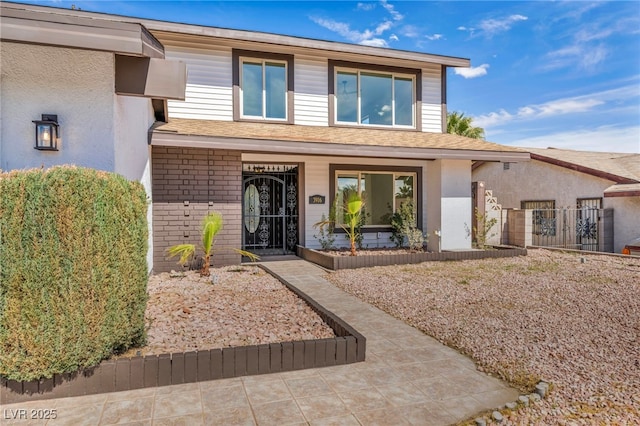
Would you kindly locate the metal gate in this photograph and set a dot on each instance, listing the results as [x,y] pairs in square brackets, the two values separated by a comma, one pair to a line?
[578,228]
[270,208]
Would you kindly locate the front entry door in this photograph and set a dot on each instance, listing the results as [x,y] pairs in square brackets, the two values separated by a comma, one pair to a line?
[270,208]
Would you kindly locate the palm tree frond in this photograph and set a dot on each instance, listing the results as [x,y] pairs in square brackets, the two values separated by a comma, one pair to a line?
[252,256]
[185,251]
[211,225]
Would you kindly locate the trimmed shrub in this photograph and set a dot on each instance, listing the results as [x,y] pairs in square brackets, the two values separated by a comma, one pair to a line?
[73,271]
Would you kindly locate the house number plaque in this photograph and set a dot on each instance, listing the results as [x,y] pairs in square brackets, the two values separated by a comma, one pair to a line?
[317,199]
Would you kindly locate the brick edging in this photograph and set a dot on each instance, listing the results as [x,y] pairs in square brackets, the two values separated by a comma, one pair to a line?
[139,372]
[335,263]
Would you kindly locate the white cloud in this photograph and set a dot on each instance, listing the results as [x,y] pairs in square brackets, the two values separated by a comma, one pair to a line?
[434,37]
[472,72]
[410,31]
[367,37]
[582,55]
[494,26]
[491,27]
[559,107]
[604,139]
[366,6]
[391,9]
[374,42]
[393,37]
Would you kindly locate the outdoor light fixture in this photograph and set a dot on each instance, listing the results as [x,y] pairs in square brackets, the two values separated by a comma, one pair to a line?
[47,132]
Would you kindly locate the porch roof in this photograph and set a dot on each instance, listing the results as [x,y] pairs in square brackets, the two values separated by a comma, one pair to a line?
[327,140]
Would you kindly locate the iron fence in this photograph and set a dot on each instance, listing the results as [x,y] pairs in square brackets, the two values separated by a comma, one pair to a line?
[579,229]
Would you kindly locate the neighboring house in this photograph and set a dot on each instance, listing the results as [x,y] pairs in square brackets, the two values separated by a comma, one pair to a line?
[576,181]
[271,129]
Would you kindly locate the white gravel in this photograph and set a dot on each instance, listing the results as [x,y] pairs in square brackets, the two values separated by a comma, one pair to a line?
[244,306]
[572,320]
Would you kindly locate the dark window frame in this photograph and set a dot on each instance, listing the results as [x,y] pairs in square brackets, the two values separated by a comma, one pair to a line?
[289,59]
[334,168]
[415,72]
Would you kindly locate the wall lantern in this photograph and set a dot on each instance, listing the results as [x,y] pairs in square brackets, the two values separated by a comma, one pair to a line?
[47,132]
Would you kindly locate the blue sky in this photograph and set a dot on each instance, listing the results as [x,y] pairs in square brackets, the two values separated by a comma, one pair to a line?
[564,74]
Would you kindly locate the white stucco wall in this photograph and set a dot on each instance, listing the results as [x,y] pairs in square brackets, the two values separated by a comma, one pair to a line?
[77,85]
[449,181]
[626,220]
[133,116]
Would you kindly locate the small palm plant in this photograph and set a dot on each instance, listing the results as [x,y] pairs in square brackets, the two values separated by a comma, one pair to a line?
[352,216]
[211,225]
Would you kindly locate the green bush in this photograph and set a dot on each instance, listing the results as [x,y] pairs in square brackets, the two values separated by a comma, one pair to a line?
[73,271]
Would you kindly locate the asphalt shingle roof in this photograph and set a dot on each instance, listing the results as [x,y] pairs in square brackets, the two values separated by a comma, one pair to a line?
[330,135]
[623,165]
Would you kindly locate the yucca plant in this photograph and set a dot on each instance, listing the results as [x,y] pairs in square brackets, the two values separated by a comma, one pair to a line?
[352,216]
[211,225]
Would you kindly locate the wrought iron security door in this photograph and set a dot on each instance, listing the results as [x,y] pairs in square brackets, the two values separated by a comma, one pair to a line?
[587,222]
[270,208]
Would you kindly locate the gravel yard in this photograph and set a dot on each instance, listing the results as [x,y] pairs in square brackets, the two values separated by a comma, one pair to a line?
[243,305]
[572,320]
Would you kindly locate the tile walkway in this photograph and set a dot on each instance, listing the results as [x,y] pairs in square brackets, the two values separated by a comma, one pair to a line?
[419,382]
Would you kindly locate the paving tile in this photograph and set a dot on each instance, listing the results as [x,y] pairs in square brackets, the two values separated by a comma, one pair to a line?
[461,408]
[345,381]
[382,376]
[177,404]
[496,398]
[176,389]
[426,414]
[186,420]
[442,387]
[318,407]
[278,413]
[131,394]
[349,420]
[262,391]
[402,394]
[224,397]
[308,386]
[234,416]
[364,399]
[20,414]
[77,401]
[120,412]
[402,356]
[382,417]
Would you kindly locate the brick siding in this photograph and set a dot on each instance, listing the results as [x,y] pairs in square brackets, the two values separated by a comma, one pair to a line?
[187,183]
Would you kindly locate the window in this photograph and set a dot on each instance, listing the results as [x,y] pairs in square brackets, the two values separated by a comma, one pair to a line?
[264,89]
[376,98]
[263,86]
[382,192]
[544,216]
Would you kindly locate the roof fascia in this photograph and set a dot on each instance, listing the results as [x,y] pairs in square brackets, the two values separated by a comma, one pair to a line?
[582,169]
[329,149]
[235,37]
[24,24]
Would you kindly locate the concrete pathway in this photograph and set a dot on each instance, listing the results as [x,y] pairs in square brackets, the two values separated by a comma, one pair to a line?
[408,378]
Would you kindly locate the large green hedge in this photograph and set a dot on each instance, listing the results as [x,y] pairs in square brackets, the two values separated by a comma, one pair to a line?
[73,271]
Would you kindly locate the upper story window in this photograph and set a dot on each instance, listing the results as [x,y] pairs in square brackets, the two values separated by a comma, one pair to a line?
[263,86]
[375,97]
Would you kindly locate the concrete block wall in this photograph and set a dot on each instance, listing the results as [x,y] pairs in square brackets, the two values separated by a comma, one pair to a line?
[519,227]
[187,183]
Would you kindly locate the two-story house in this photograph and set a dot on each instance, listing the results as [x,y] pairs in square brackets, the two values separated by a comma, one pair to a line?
[272,128]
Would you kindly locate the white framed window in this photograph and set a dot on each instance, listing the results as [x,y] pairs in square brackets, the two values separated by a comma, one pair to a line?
[372,98]
[263,89]
[382,192]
